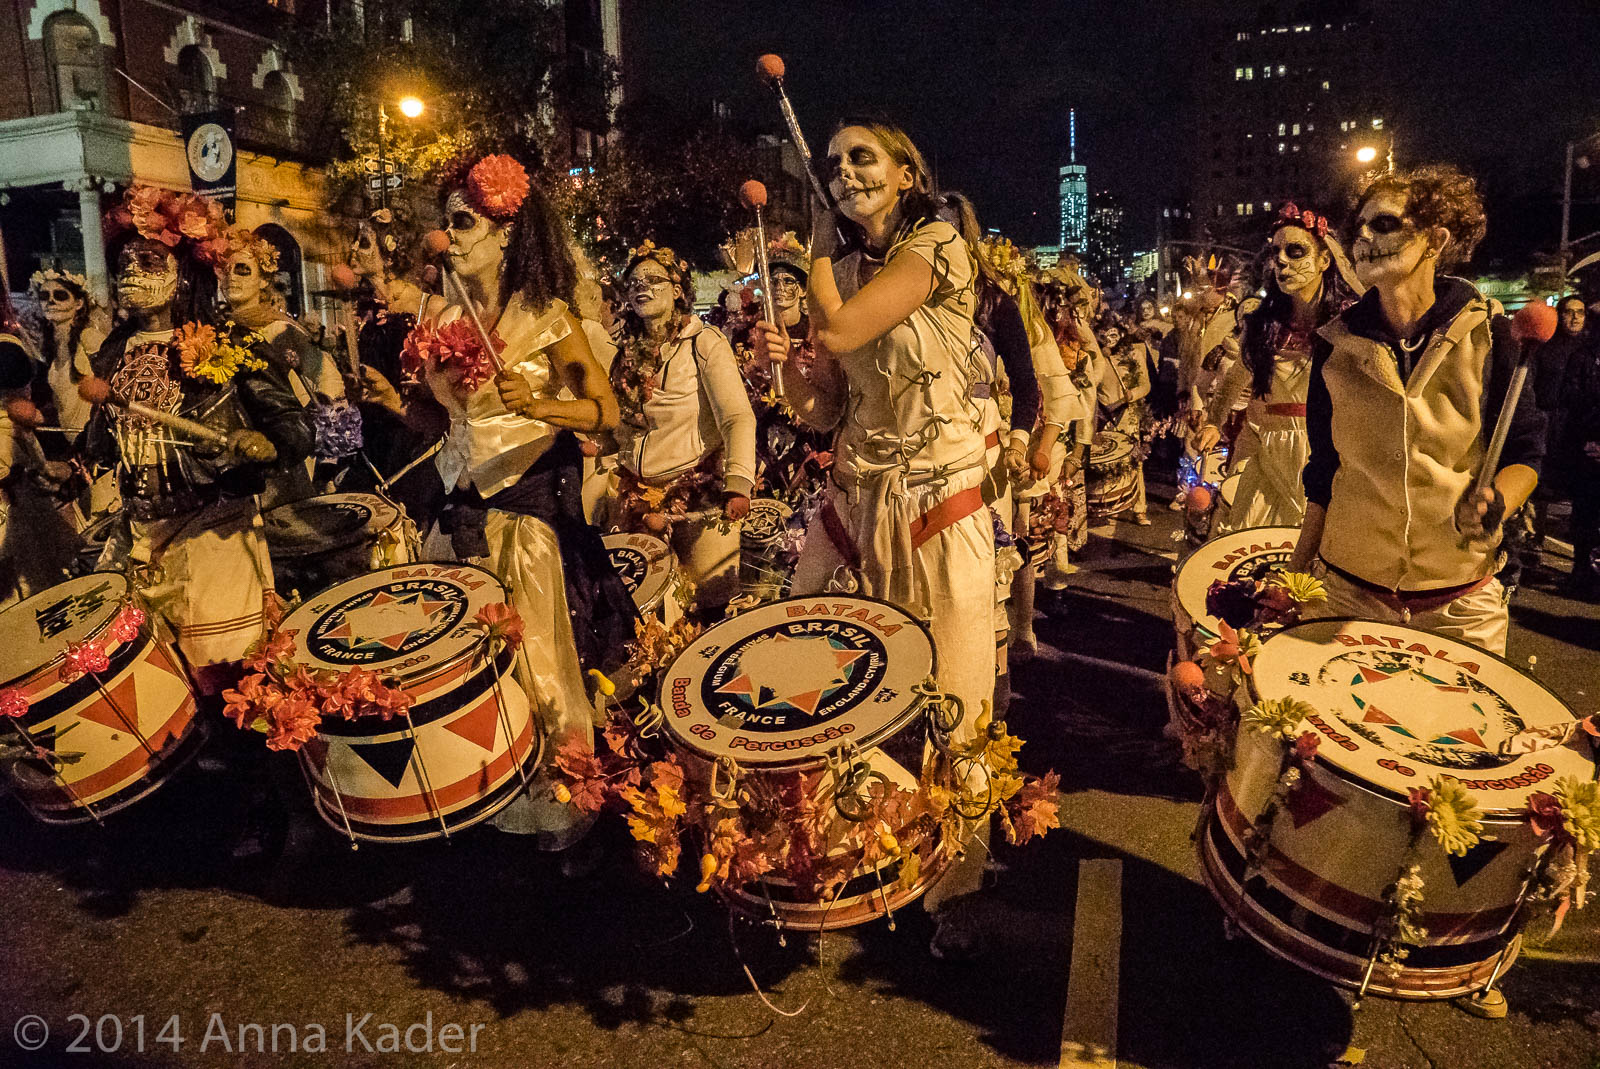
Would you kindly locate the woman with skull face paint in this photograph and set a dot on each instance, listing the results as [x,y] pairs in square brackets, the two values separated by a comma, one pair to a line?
[511,463]
[1304,290]
[192,525]
[71,335]
[687,438]
[1406,387]
[892,308]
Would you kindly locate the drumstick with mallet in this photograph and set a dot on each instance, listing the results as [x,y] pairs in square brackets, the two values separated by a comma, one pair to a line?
[1533,323]
[436,243]
[98,391]
[771,68]
[754,196]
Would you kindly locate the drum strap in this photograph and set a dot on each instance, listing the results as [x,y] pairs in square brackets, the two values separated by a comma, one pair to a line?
[1411,601]
[834,527]
[1298,410]
[951,510]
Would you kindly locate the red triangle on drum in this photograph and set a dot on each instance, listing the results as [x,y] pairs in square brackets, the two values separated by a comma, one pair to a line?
[1310,801]
[1372,675]
[1468,735]
[478,726]
[807,703]
[126,699]
[1378,716]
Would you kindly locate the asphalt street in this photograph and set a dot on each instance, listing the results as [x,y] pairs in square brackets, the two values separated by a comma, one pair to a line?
[164,937]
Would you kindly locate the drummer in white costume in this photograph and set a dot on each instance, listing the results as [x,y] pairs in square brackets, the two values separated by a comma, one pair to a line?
[1304,290]
[513,467]
[892,317]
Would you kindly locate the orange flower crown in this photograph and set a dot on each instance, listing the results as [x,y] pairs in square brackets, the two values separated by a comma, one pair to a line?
[174,219]
[497,185]
[660,254]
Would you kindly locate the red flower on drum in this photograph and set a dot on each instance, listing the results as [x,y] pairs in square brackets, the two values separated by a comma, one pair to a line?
[84,658]
[292,723]
[275,647]
[1305,747]
[500,623]
[1421,802]
[251,700]
[13,703]
[125,628]
[1544,813]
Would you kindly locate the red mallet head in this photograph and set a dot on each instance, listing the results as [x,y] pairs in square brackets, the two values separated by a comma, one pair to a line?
[753,194]
[770,66]
[95,390]
[1534,322]
[1198,499]
[435,242]
[24,412]
[343,278]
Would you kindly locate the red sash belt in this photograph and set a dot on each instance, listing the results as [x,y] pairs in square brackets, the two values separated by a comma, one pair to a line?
[1412,601]
[951,510]
[1287,410]
[992,441]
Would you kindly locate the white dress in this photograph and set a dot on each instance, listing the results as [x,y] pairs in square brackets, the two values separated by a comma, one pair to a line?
[1272,449]
[912,440]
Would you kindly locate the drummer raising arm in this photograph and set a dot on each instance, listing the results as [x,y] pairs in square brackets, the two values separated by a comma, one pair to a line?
[1405,389]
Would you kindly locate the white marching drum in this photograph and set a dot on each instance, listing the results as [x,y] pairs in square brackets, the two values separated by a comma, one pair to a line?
[1248,554]
[1111,475]
[325,540]
[91,740]
[767,699]
[647,567]
[1392,708]
[469,743]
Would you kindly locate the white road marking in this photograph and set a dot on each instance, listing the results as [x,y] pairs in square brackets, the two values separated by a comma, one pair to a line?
[1089,1026]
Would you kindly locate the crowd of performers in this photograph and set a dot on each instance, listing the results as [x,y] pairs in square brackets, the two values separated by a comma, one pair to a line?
[950,417]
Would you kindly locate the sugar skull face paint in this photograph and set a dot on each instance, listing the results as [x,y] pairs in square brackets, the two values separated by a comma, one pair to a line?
[1298,261]
[1388,245]
[477,243]
[147,276]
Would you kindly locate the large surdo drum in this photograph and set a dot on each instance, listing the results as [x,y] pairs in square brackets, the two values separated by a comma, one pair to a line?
[469,743]
[1111,475]
[324,540]
[767,699]
[90,741]
[1395,707]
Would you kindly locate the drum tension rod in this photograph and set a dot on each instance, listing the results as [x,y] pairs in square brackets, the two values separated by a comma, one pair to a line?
[427,780]
[56,772]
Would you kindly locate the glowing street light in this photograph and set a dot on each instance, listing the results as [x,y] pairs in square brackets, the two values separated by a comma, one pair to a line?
[1366,154]
[411,107]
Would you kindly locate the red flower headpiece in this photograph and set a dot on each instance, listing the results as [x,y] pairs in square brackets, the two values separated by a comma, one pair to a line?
[1290,215]
[497,186]
[174,219]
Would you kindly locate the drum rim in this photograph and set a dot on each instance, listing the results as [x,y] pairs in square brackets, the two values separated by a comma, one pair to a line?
[406,681]
[1197,622]
[1491,814]
[302,552]
[867,741]
[669,580]
[54,665]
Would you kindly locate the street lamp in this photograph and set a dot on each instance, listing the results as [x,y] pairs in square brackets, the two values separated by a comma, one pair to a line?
[1366,154]
[411,107]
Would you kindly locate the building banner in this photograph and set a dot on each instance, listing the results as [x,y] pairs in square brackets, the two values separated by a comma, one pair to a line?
[208,142]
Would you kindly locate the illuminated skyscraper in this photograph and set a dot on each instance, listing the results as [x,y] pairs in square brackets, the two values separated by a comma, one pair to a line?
[1074,193]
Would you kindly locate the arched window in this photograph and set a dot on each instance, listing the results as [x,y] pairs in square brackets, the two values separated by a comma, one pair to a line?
[73,49]
[280,101]
[289,281]
[197,82]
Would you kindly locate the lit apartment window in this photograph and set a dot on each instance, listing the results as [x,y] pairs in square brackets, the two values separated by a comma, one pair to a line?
[1238,209]
[1266,205]
[1250,209]
[1282,147]
[1249,74]
[1238,74]
[1324,87]
[1310,126]
[1281,70]
[1283,128]
[1297,148]
[1377,124]
[1296,130]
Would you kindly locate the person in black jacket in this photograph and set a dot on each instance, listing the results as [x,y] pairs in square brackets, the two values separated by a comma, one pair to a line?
[192,535]
[1580,451]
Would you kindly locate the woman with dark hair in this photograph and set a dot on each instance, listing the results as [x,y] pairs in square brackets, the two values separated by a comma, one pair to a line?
[1304,291]
[687,437]
[892,308]
[70,337]
[192,523]
[1406,387]
[510,461]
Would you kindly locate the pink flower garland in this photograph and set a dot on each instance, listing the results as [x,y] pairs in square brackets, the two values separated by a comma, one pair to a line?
[455,347]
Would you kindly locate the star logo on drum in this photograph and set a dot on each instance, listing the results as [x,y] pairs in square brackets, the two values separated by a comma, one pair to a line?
[801,673]
[384,622]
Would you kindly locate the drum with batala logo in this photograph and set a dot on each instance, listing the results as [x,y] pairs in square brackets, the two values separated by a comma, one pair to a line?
[324,540]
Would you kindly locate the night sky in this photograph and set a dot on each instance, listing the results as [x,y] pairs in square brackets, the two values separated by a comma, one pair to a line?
[983,87]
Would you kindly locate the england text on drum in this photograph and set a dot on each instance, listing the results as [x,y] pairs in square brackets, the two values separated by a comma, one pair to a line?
[846,610]
[1258,549]
[1408,645]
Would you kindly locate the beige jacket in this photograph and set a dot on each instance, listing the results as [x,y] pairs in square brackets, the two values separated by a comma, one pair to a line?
[1407,454]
